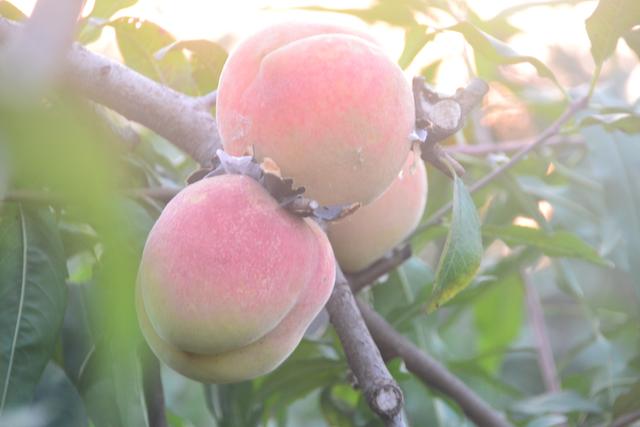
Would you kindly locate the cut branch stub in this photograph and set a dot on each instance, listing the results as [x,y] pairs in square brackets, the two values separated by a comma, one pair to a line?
[438,117]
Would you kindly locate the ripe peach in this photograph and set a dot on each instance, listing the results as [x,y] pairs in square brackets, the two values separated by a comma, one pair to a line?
[324,102]
[229,280]
[366,235]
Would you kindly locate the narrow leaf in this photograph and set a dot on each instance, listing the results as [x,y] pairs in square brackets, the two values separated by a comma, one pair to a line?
[462,251]
[32,299]
[553,244]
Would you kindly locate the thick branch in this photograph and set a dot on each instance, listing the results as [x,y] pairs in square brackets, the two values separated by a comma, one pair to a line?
[383,394]
[183,120]
[432,373]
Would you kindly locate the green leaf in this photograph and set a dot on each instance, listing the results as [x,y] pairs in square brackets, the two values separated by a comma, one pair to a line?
[552,420]
[610,20]
[9,11]
[553,244]
[498,314]
[462,251]
[129,392]
[633,40]
[627,122]
[393,12]
[106,8]
[336,413]
[140,40]
[500,52]
[295,379]
[61,399]
[627,401]
[415,38]
[559,403]
[32,299]
[207,59]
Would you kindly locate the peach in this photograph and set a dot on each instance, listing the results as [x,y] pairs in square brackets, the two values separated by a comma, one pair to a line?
[366,235]
[322,101]
[229,280]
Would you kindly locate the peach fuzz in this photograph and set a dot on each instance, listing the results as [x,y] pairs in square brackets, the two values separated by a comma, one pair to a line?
[322,101]
[369,233]
[229,280]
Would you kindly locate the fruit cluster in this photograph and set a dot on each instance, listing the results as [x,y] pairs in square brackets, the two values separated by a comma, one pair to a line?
[229,279]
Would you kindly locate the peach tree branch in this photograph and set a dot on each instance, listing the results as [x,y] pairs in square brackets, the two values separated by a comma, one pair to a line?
[382,393]
[431,372]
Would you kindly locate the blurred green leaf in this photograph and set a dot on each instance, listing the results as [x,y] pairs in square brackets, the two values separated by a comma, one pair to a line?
[336,413]
[233,404]
[106,8]
[462,251]
[498,316]
[554,244]
[500,52]
[394,12]
[610,20]
[129,392]
[207,59]
[9,11]
[563,402]
[64,407]
[627,402]
[633,40]
[549,421]
[614,159]
[628,122]
[140,40]
[32,285]
[415,38]
[295,379]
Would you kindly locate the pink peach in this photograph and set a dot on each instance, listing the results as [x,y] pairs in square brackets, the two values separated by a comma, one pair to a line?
[324,102]
[366,235]
[229,280]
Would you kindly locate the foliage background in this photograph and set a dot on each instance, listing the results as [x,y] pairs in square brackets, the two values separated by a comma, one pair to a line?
[79,358]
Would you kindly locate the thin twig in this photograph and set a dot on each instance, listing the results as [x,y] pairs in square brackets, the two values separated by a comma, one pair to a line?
[552,130]
[382,393]
[172,115]
[383,266]
[392,344]
[626,419]
[543,345]
[510,146]
[153,390]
